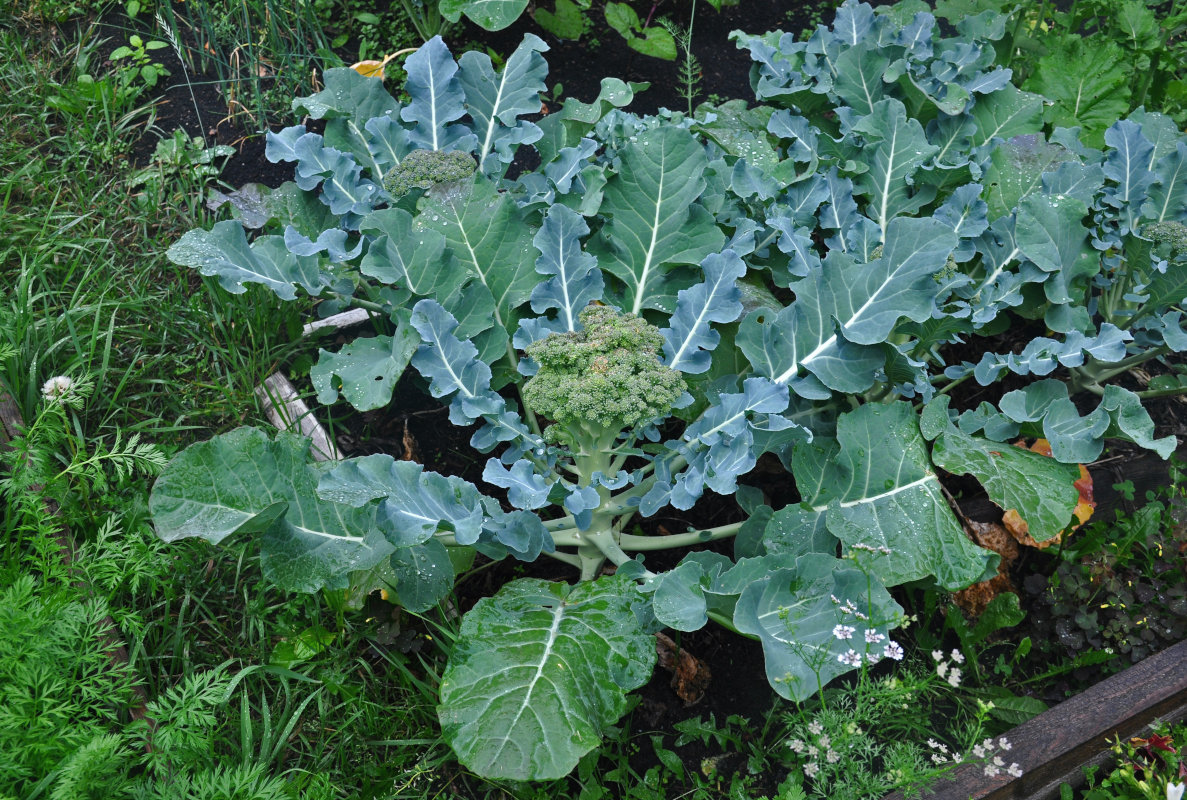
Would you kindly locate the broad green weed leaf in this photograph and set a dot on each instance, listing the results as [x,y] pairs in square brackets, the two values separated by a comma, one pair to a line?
[1086,83]
[490,15]
[365,370]
[539,672]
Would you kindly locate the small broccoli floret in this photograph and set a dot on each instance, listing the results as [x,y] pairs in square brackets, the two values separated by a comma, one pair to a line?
[1171,234]
[424,169]
[607,376]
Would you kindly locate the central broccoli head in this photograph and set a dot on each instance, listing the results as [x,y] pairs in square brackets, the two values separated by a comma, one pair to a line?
[607,375]
[424,169]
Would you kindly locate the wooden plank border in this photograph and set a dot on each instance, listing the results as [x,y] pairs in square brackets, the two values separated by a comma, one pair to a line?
[1052,747]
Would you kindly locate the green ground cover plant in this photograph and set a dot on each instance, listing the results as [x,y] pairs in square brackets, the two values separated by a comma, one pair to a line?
[894,182]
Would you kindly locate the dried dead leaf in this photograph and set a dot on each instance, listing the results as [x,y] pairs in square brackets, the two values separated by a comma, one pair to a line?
[690,675]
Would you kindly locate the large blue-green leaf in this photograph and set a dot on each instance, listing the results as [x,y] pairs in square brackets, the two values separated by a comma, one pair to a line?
[1006,114]
[539,673]
[1016,170]
[1168,196]
[899,149]
[688,340]
[407,257]
[495,101]
[877,489]
[1037,487]
[655,222]
[452,365]
[859,77]
[223,252]
[797,614]
[424,574]
[437,99]
[415,503]
[720,446]
[244,482]
[489,235]
[575,280]
[1077,439]
[866,300]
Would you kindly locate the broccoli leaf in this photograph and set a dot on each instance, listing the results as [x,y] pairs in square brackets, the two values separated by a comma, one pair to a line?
[654,220]
[244,482]
[539,673]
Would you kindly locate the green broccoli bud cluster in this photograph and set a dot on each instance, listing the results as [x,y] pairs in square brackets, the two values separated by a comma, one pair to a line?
[1169,233]
[606,376]
[424,169]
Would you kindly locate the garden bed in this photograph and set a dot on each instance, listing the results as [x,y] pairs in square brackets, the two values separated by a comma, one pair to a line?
[1053,747]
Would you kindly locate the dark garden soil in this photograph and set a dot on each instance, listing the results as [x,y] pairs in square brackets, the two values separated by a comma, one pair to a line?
[416,426]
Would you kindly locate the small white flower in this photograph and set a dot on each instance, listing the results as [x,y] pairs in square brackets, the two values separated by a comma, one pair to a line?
[978,751]
[811,769]
[1015,771]
[936,655]
[843,631]
[860,616]
[815,728]
[873,658]
[813,751]
[836,600]
[991,771]
[1004,743]
[1174,791]
[832,756]
[824,741]
[894,650]
[988,745]
[57,387]
[997,761]
[796,745]
[954,677]
[936,758]
[873,637]
[942,668]
[851,658]
[957,656]
[957,758]
[933,744]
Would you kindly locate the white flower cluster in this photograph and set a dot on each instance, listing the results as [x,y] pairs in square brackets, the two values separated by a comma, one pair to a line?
[985,751]
[819,744]
[851,658]
[948,671]
[57,388]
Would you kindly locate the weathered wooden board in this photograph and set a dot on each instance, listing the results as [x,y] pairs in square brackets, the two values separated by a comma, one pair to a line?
[287,411]
[1052,747]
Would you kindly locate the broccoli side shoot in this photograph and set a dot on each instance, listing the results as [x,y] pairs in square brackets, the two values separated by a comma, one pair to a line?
[424,169]
[606,377]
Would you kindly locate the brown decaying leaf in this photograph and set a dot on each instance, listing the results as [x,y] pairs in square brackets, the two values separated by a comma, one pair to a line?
[690,675]
[993,537]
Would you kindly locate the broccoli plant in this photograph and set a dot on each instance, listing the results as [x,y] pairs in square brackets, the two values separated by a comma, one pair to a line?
[660,302]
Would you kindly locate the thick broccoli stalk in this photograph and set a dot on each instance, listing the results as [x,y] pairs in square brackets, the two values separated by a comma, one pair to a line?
[424,169]
[601,380]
